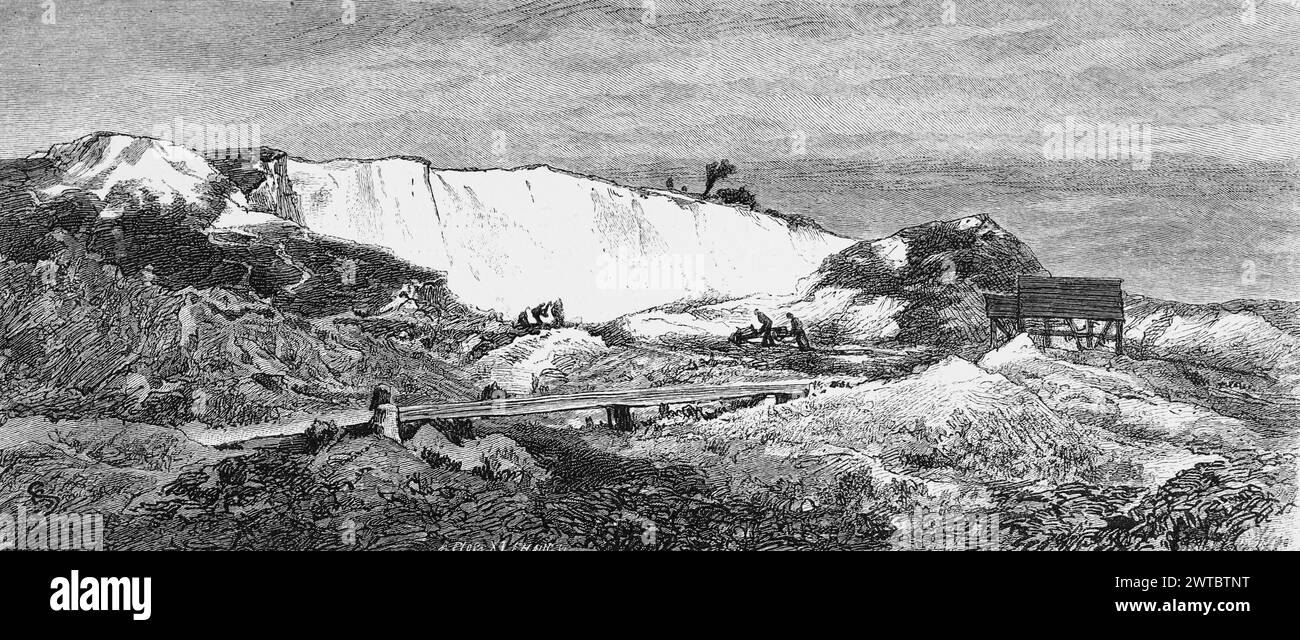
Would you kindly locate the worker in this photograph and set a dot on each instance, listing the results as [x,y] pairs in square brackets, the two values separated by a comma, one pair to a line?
[765,329]
[540,312]
[797,330]
[493,392]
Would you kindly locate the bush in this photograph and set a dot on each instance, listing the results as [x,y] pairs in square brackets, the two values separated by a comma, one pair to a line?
[456,430]
[492,471]
[439,460]
[320,435]
[740,196]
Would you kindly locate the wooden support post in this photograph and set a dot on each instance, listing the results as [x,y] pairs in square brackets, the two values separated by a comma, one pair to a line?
[993,333]
[1101,333]
[1119,338]
[382,394]
[385,419]
[620,418]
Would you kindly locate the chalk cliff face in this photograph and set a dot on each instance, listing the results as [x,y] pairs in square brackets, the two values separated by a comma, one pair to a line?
[275,193]
[100,162]
[509,239]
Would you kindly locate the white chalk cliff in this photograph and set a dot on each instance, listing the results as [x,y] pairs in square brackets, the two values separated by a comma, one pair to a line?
[510,238]
[507,238]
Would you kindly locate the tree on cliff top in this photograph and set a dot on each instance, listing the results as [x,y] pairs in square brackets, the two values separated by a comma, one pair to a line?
[715,171]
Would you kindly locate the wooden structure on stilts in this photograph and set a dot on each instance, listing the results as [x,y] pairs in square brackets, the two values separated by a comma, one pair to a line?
[1045,307]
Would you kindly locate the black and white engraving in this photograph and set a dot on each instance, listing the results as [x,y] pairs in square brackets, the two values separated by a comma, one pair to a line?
[649,275]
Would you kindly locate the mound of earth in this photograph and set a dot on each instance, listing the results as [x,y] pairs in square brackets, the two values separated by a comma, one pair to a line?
[537,362]
[1115,400]
[954,418]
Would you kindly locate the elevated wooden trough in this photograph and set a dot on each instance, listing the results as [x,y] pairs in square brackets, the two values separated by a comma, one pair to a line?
[617,403]
[1054,305]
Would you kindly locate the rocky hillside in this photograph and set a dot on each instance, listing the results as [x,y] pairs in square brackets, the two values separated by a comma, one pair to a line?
[921,286]
[123,295]
[1254,337]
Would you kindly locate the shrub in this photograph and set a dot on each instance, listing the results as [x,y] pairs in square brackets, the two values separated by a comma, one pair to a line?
[491,471]
[320,435]
[439,460]
[456,430]
[740,196]
[851,488]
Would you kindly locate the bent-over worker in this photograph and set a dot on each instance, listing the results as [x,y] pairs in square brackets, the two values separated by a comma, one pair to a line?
[765,329]
[797,330]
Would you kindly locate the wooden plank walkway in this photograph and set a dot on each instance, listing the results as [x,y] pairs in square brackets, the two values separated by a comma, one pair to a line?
[622,398]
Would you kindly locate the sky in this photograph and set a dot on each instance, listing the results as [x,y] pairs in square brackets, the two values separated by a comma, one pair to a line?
[867,116]
[584,83]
